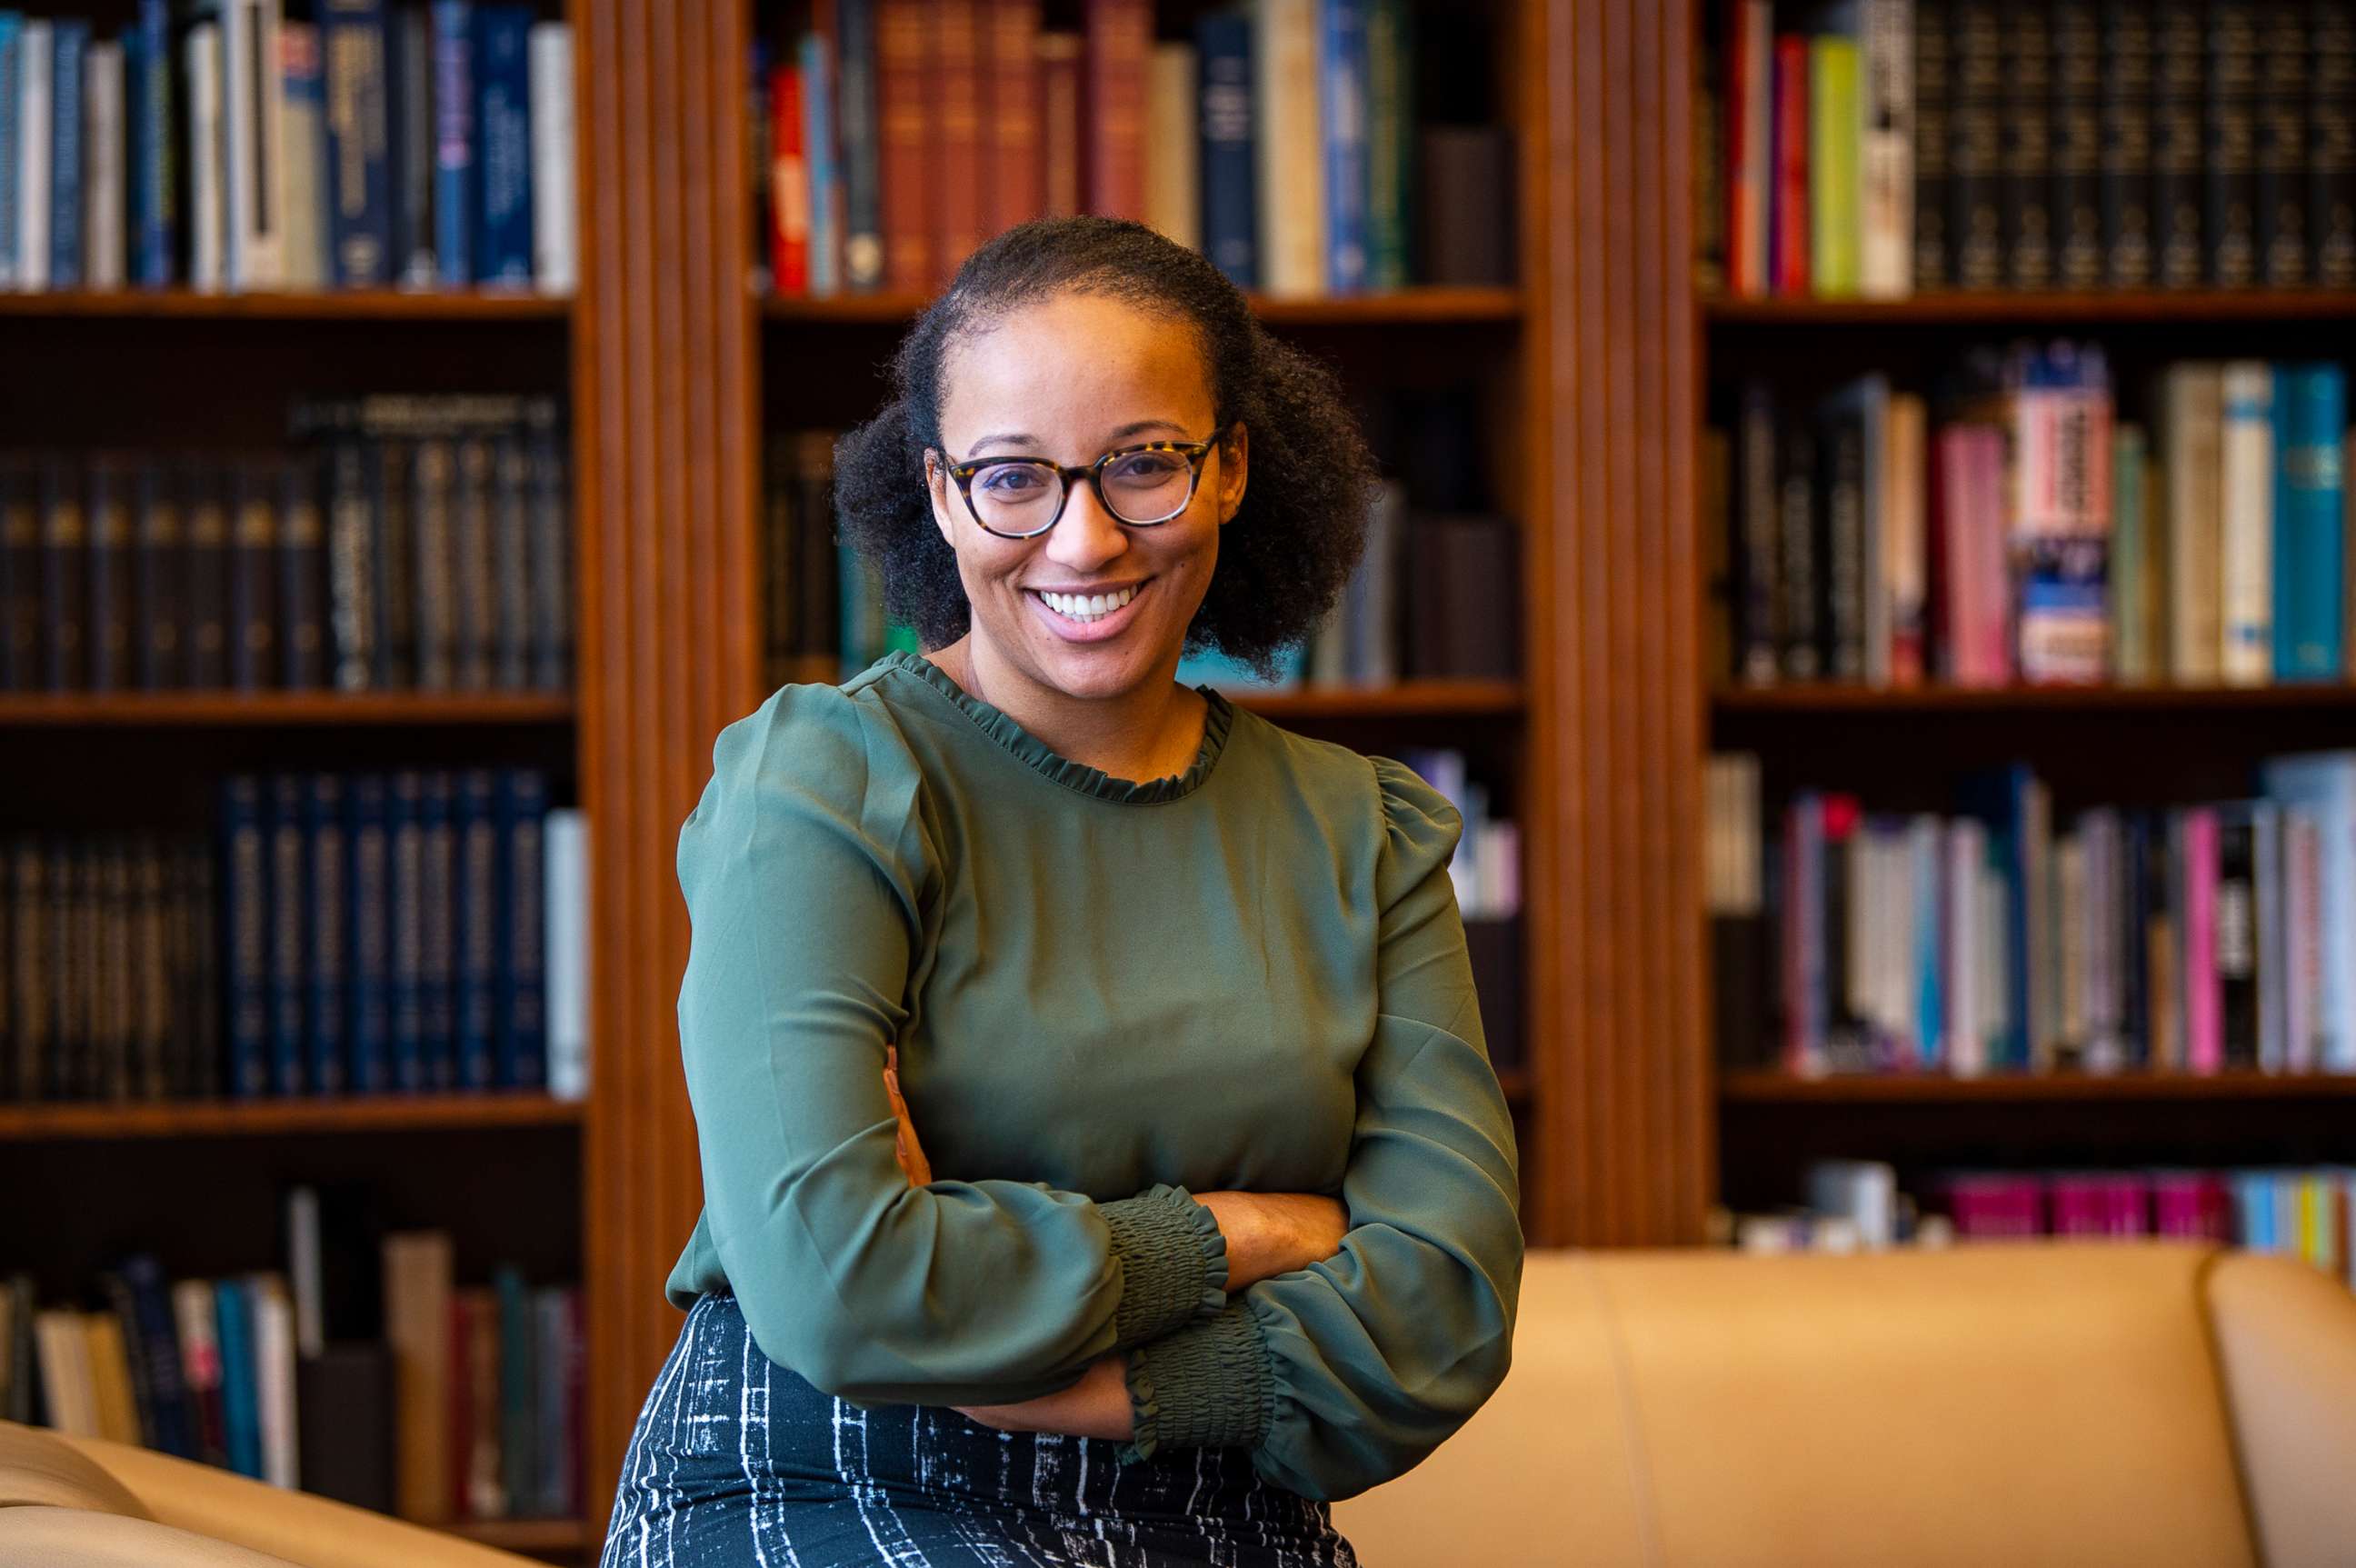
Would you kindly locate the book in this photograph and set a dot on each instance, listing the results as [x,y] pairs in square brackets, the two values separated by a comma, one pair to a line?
[2245,523]
[2309,545]
[2125,174]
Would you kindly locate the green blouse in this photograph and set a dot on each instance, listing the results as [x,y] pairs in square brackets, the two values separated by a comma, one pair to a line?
[1107,997]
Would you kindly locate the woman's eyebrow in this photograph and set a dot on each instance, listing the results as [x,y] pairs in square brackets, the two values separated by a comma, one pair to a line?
[1024,438]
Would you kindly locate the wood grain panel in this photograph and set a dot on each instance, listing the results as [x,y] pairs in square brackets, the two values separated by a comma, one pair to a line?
[1623,1099]
[668,656]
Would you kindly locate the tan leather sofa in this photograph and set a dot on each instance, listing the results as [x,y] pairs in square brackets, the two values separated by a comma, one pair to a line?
[2000,1406]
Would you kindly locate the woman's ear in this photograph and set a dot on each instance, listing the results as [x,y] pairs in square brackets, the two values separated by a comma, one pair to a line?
[937,488]
[1235,462]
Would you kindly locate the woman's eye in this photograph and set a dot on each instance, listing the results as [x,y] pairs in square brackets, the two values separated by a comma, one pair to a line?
[1145,465]
[1010,481]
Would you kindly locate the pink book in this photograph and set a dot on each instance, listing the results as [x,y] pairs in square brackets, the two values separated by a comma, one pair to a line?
[2204,1035]
[2077,1206]
[1991,622]
[2176,1200]
[2126,1206]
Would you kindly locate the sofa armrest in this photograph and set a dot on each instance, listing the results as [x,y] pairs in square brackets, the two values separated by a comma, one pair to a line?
[44,1533]
[311,1532]
[2285,1337]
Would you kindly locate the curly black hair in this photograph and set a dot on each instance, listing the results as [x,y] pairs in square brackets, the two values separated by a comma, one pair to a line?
[1291,544]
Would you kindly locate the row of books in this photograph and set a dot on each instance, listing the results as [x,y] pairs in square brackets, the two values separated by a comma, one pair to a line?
[1279,139]
[2196,939]
[2010,527]
[360,934]
[2297,1212]
[1878,147]
[223,146]
[464,1404]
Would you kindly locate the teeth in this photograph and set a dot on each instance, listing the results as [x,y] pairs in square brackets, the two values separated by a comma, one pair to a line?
[1087,606]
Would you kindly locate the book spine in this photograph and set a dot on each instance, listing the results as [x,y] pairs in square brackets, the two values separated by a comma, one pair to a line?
[1841,498]
[2246,493]
[1975,64]
[36,80]
[2330,167]
[956,165]
[2132,566]
[475,919]
[502,187]
[437,895]
[904,136]
[1905,555]
[2077,146]
[289,924]
[434,502]
[1886,152]
[1342,75]
[246,934]
[2228,146]
[788,184]
[551,564]
[253,613]
[1790,219]
[353,41]
[455,102]
[521,1049]
[510,572]
[555,217]
[207,241]
[1291,168]
[369,883]
[155,207]
[1756,545]
[390,468]
[2179,68]
[158,577]
[863,203]
[69,46]
[405,836]
[65,576]
[1802,657]
[103,228]
[2062,518]
[1060,127]
[111,544]
[473,580]
[1933,138]
[2279,155]
[1390,144]
[2024,146]
[1010,110]
[2236,941]
[1223,41]
[327,994]
[408,142]
[302,577]
[1834,118]
[2203,1042]
[1119,38]
[2311,412]
[2193,414]
[2125,173]
[12,97]
[20,577]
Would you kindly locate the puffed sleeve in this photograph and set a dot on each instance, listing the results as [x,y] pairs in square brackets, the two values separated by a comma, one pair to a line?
[1346,1374]
[807,868]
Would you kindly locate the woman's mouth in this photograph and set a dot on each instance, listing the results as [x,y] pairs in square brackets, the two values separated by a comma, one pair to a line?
[1088,617]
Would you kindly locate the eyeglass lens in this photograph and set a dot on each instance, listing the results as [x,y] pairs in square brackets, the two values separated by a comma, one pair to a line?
[1019,497]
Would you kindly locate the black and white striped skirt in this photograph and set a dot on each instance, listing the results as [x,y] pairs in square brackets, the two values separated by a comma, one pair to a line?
[737,1460]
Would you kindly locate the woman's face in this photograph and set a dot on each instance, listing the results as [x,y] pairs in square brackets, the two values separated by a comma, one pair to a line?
[1071,378]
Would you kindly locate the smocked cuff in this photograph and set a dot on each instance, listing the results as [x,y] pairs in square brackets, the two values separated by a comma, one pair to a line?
[1174,1262]
[1208,1385]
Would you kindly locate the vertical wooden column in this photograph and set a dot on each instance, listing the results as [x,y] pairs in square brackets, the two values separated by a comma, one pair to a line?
[1624,1109]
[668,650]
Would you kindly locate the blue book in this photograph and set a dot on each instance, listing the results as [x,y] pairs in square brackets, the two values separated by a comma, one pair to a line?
[290,925]
[410,134]
[502,75]
[239,1385]
[2012,803]
[157,1342]
[1341,71]
[862,191]
[326,999]
[70,47]
[825,175]
[1230,222]
[517,1435]
[520,1046]
[12,57]
[353,46]
[454,141]
[1926,850]
[476,942]
[244,953]
[405,904]
[436,968]
[147,114]
[368,883]
[2309,545]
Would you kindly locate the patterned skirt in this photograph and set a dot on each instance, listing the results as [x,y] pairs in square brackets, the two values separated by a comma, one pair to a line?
[739,1460]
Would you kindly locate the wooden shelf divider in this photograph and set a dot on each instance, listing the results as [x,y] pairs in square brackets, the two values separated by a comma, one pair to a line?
[98,1121]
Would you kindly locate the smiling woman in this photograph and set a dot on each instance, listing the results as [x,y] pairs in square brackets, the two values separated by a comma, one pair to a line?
[1102,1160]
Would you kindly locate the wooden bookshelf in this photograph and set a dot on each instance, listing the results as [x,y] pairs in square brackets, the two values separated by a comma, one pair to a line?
[1869,1089]
[2124,306]
[267,1118]
[1462,306]
[219,709]
[1841,700]
[1409,700]
[338,305]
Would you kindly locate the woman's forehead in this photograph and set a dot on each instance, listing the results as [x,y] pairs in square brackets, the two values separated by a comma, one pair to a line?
[1076,367]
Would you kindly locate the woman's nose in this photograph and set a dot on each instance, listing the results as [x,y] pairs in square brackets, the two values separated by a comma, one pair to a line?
[1085,536]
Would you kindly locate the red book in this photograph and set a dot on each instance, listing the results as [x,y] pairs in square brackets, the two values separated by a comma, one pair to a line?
[1120,37]
[1059,122]
[1747,104]
[959,174]
[1010,115]
[1789,226]
[2204,1024]
[789,187]
[904,170]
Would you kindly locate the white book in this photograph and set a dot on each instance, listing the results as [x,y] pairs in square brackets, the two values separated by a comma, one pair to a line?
[273,1376]
[1288,148]
[304,265]
[1885,168]
[34,70]
[2302,941]
[1173,149]
[2192,426]
[208,215]
[253,122]
[1962,985]
[103,166]
[303,1264]
[2246,491]
[565,876]
[555,228]
[63,1347]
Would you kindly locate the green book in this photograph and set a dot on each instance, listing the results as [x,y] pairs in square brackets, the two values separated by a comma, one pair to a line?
[1390,143]
[2131,557]
[1836,251]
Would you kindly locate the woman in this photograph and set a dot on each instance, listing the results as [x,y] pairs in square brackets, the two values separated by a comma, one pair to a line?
[1225,1224]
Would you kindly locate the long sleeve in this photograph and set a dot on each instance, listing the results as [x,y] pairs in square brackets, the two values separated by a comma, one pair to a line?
[1348,1374]
[808,874]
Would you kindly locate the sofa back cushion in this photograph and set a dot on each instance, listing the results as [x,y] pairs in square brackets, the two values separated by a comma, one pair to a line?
[41,1469]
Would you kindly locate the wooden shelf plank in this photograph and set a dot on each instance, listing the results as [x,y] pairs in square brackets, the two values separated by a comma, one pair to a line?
[1516,1083]
[1828,698]
[1779,1087]
[252,1117]
[2070,308]
[29,709]
[1411,699]
[330,304]
[526,1534]
[1390,308]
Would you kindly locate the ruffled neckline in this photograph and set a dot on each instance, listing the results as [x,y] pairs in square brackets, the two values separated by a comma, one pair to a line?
[1001,727]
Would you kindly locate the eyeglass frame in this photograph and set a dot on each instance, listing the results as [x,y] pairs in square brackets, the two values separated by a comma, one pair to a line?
[1066,472]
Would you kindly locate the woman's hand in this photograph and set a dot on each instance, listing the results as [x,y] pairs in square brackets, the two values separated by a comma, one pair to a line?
[1096,1406]
[1271,1233]
[911,1152]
